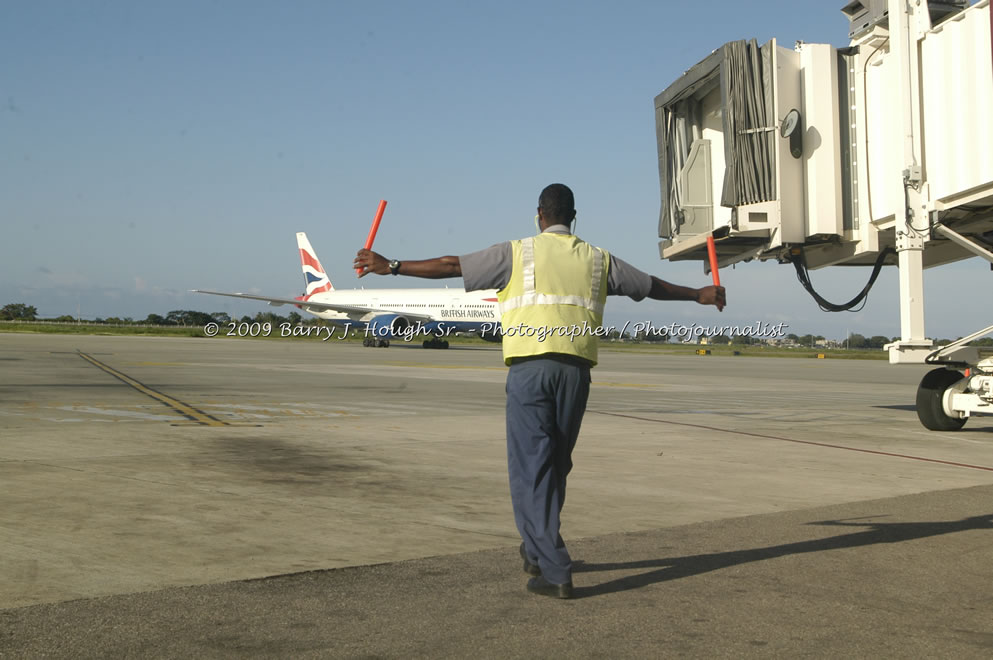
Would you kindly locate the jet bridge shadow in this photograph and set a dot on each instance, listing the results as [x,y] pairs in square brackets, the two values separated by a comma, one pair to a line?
[676,568]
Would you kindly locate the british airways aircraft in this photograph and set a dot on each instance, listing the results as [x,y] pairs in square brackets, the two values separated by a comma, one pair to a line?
[384,314]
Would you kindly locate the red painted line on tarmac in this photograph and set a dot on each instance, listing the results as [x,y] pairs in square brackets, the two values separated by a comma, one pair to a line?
[799,442]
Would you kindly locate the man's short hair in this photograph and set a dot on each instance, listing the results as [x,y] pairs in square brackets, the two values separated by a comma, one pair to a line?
[557,203]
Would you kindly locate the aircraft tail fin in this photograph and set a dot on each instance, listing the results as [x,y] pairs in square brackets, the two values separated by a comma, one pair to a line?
[313,273]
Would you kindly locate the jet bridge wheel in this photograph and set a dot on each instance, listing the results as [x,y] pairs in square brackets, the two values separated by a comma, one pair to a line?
[931,391]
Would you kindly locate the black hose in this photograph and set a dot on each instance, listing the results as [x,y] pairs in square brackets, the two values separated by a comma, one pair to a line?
[802,274]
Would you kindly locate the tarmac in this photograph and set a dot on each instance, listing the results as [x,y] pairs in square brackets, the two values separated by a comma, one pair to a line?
[180,497]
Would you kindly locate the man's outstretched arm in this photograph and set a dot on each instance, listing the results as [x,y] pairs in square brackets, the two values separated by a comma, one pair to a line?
[435,269]
[708,295]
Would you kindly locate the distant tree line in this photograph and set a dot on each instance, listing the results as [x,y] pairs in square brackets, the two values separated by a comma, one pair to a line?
[178,317]
[188,317]
[876,341]
[18,312]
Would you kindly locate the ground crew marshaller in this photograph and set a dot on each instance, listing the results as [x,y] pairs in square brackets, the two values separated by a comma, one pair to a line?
[549,281]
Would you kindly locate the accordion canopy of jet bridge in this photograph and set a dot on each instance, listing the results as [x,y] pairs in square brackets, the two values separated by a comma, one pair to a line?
[738,74]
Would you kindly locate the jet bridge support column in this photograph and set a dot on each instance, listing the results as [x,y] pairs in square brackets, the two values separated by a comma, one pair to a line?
[911,217]
[913,345]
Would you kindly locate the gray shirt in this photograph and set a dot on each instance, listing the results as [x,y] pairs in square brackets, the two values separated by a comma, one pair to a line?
[491,268]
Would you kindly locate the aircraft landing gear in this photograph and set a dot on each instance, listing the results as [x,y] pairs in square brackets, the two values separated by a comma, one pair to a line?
[376,342]
[946,397]
[434,342]
[931,400]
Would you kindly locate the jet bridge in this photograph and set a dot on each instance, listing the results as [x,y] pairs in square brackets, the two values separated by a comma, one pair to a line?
[877,154]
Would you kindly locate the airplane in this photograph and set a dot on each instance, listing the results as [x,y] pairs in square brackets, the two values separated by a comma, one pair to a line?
[384,314]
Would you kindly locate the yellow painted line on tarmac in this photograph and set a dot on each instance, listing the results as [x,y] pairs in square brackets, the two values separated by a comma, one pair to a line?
[184,409]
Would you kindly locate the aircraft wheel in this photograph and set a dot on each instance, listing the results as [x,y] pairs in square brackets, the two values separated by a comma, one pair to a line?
[930,393]
[444,343]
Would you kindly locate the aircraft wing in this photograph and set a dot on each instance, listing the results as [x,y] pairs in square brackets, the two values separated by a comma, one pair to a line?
[320,306]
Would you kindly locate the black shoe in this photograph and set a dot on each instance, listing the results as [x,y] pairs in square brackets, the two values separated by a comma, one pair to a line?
[542,587]
[529,568]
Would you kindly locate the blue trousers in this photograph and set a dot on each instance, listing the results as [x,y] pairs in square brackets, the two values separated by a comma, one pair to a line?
[546,400]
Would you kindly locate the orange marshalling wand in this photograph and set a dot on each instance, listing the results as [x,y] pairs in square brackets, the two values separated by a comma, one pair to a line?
[712,255]
[374,228]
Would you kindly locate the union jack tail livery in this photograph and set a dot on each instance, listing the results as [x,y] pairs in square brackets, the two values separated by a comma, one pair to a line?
[313,273]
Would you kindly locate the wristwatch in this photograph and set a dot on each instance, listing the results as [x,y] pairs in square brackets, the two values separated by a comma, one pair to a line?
[394,266]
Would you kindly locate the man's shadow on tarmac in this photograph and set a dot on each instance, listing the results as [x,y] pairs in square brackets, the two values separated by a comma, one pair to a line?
[681,567]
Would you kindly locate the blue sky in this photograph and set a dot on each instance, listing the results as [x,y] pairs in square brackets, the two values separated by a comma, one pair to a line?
[152,148]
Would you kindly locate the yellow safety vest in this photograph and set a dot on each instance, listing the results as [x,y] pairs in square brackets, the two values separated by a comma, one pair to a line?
[554,300]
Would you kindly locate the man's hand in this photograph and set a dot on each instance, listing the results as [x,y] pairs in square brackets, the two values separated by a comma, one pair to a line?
[371,262]
[712,295]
